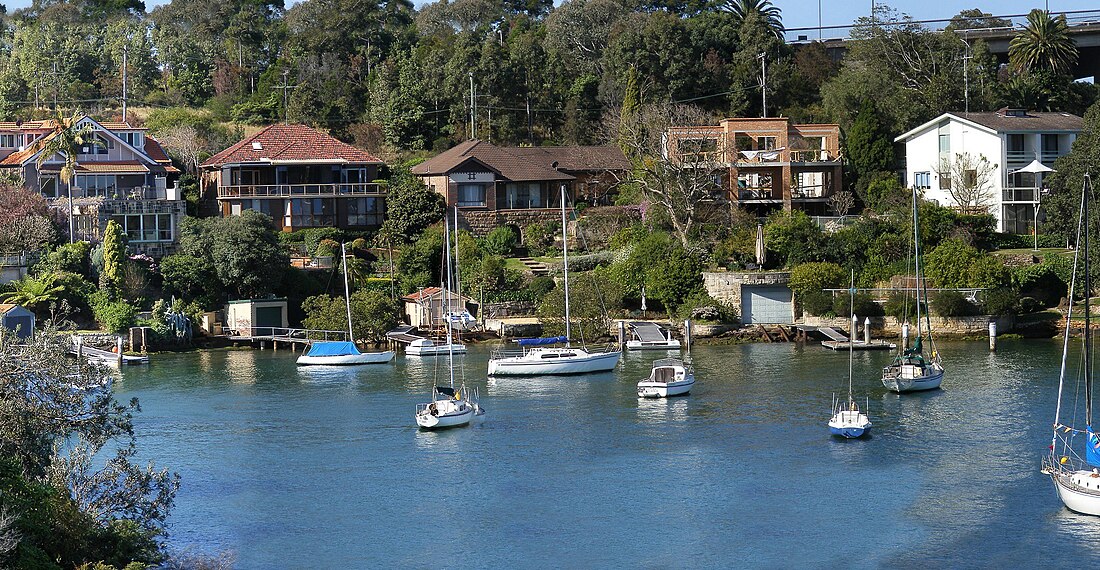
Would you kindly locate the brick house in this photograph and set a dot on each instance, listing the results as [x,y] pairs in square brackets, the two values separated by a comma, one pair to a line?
[494,186]
[765,164]
[126,177]
[299,176]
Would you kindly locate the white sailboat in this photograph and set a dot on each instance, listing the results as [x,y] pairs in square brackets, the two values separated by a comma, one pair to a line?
[449,407]
[911,370]
[342,353]
[847,421]
[1075,468]
[452,319]
[537,358]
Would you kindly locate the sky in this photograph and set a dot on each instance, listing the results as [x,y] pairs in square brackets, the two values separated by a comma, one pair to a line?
[804,13]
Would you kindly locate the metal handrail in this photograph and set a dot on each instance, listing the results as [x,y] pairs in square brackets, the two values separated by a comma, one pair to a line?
[285,190]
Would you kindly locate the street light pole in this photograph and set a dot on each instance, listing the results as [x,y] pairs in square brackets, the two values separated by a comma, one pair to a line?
[763,86]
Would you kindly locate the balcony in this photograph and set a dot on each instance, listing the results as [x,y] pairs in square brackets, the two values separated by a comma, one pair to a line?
[1019,194]
[814,156]
[756,195]
[1022,156]
[134,193]
[300,190]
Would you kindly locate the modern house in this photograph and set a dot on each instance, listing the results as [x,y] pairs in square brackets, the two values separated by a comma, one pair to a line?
[299,176]
[764,164]
[944,159]
[125,176]
[495,186]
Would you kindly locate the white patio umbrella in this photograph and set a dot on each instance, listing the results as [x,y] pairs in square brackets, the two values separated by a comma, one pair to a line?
[760,251]
[1036,167]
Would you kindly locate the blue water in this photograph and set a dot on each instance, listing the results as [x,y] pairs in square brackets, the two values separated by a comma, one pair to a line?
[288,467]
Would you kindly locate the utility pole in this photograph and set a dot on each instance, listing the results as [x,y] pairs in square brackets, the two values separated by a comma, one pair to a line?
[763,86]
[473,108]
[54,85]
[286,102]
[125,55]
[966,78]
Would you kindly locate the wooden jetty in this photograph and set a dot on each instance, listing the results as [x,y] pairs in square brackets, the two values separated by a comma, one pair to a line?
[838,341]
[275,335]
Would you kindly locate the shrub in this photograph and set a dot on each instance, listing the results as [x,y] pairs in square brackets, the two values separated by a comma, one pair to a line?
[501,241]
[69,257]
[1001,301]
[813,277]
[865,306]
[902,306]
[817,303]
[952,304]
[113,316]
[540,286]
[538,238]
[1028,305]
[327,248]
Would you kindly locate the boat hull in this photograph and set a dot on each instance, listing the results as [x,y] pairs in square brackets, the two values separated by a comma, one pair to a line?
[849,432]
[647,389]
[534,366]
[435,350]
[1075,495]
[454,419]
[347,359]
[901,384]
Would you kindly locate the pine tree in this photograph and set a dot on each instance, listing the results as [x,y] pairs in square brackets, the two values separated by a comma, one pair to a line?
[869,146]
[113,258]
[629,112]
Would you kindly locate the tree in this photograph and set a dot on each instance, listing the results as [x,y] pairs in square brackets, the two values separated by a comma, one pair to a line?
[975,19]
[243,251]
[841,202]
[34,293]
[372,314]
[1063,205]
[410,206]
[591,294]
[68,135]
[971,181]
[1044,43]
[114,257]
[793,238]
[870,148]
[764,8]
[193,279]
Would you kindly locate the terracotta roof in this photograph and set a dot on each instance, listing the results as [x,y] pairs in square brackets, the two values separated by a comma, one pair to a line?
[26,125]
[503,161]
[156,152]
[5,307]
[117,166]
[17,158]
[1032,121]
[289,143]
[423,293]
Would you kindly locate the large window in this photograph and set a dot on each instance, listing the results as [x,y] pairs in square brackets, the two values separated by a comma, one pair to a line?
[101,185]
[135,140]
[7,141]
[1018,218]
[945,144]
[523,195]
[922,180]
[1015,143]
[810,185]
[754,186]
[365,211]
[1050,144]
[146,227]
[311,212]
[471,194]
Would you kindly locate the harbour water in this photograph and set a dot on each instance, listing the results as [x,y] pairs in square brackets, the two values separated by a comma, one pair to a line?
[290,467]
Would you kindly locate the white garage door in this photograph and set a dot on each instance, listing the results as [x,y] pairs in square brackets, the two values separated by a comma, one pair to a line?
[767,305]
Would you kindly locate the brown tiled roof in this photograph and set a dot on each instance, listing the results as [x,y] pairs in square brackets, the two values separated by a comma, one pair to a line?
[5,307]
[17,158]
[526,163]
[289,143]
[115,167]
[1034,121]
[422,294]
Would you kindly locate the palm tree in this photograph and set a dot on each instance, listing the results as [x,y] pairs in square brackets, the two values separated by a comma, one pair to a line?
[33,292]
[66,138]
[740,9]
[1044,44]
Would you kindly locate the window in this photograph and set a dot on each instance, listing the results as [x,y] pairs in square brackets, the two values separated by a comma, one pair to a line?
[311,212]
[810,185]
[754,186]
[273,208]
[365,211]
[105,145]
[945,180]
[922,180]
[48,186]
[945,143]
[145,227]
[1021,180]
[1018,218]
[471,194]
[1050,143]
[7,141]
[697,150]
[1015,143]
[766,143]
[136,140]
[97,185]
[524,195]
[970,178]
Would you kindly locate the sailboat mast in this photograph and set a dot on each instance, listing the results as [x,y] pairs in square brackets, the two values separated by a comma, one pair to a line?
[1088,293]
[347,290]
[916,256]
[457,276]
[565,263]
[446,278]
[852,332]
[1082,220]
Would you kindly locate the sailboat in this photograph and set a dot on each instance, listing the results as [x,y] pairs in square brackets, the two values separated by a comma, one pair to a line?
[452,318]
[1075,471]
[911,370]
[847,420]
[449,407]
[342,353]
[539,357]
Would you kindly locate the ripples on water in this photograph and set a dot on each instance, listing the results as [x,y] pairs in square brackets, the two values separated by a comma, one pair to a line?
[322,467]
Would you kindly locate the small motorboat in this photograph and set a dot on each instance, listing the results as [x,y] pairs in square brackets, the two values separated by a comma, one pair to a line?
[428,347]
[448,408]
[669,377]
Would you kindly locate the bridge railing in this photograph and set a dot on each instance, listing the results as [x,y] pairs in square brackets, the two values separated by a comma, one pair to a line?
[286,333]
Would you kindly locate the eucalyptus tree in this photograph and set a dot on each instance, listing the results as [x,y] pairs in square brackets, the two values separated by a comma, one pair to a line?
[1043,44]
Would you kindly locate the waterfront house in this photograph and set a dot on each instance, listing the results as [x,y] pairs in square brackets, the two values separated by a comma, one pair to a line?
[494,186]
[17,319]
[425,308]
[764,164]
[1009,139]
[299,176]
[126,177]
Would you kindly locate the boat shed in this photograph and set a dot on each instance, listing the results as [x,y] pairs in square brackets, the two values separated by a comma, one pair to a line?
[257,317]
[425,308]
[17,319]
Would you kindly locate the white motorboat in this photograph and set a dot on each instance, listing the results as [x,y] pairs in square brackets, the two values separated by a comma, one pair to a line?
[428,347]
[668,377]
[535,358]
[911,370]
[1074,468]
[650,336]
[448,408]
[342,353]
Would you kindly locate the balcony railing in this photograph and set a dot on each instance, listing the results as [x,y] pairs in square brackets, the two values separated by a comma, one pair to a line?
[744,195]
[1019,194]
[814,156]
[299,190]
[134,193]
[1019,156]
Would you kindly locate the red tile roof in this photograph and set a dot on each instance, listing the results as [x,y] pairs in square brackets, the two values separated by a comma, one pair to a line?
[423,293]
[290,143]
[526,163]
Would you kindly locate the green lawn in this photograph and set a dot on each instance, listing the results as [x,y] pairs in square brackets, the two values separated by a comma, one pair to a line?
[1028,251]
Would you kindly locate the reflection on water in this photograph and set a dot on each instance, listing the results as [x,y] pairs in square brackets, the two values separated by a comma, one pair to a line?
[572,471]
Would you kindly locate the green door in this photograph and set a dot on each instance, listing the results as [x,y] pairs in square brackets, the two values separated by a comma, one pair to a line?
[269,317]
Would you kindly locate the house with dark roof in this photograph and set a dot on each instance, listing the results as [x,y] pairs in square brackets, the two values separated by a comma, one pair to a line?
[126,176]
[299,176]
[494,185]
[943,158]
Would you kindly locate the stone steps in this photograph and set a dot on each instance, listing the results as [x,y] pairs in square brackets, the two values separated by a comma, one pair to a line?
[535,267]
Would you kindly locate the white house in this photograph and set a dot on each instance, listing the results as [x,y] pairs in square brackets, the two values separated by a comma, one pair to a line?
[1009,139]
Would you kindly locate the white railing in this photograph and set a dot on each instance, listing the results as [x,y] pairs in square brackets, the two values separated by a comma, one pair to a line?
[294,190]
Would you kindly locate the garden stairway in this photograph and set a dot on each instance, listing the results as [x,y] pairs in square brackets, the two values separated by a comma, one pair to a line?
[535,267]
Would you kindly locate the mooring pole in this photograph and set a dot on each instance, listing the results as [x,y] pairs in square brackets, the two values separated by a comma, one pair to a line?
[992,336]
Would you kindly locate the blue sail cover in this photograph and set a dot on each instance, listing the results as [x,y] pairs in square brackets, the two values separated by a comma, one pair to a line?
[541,341]
[331,348]
[1092,447]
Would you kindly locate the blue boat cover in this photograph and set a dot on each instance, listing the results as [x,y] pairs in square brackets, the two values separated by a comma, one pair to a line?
[541,341]
[1092,447]
[331,348]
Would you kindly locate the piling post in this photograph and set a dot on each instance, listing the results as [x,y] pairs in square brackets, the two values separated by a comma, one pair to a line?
[867,330]
[992,336]
[687,332]
[118,347]
[622,334]
[79,346]
[905,336]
